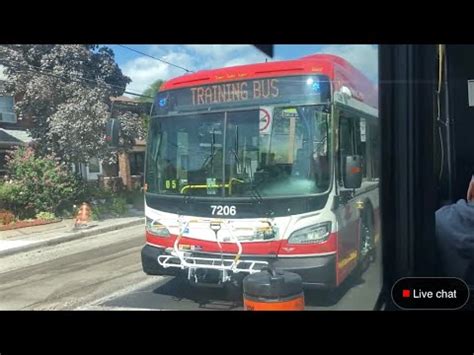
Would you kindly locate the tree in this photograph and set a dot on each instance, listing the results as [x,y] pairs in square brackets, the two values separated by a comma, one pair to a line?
[151,91]
[66,91]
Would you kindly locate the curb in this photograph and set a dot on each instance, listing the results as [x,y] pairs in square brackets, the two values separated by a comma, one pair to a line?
[73,236]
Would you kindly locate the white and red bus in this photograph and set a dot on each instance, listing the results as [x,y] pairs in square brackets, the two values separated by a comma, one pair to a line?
[265,164]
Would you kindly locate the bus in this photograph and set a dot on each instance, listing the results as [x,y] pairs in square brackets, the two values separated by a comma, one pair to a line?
[265,165]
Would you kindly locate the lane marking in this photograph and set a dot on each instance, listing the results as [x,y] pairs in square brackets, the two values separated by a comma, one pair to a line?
[122,292]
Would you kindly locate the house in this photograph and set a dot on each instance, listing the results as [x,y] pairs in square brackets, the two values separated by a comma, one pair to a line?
[130,166]
[13,132]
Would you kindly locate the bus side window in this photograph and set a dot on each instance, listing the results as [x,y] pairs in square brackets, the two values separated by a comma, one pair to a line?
[354,140]
[374,146]
[346,144]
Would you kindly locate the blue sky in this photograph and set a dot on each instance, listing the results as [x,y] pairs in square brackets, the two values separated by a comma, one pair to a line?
[144,70]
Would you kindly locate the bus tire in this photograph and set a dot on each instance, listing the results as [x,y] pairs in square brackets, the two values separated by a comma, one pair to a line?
[373,250]
[366,246]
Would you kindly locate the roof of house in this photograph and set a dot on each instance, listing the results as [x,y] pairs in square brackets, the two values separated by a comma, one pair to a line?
[123,99]
[124,103]
[14,136]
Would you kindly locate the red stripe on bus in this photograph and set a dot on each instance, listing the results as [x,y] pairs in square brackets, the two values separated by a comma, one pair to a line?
[261,248]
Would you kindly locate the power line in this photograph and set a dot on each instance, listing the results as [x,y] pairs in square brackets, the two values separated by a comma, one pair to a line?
[159,59]
[49,72]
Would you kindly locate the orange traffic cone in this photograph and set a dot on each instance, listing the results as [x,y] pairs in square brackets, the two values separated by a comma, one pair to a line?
[83,216]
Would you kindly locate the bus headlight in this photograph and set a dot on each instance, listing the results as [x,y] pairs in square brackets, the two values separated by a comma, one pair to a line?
[156,228]
[311,235]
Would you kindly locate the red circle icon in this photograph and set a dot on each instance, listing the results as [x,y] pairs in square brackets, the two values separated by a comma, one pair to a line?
[265,119]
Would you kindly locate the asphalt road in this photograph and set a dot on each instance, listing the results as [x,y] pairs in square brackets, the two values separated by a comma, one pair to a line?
[69,275]
[104,273]
[359,292]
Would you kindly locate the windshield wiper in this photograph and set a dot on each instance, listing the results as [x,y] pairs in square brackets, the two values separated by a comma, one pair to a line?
[155,148]
[236,150]
[238,162]
[210,158]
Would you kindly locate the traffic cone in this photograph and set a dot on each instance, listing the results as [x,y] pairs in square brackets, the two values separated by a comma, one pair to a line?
[83,216]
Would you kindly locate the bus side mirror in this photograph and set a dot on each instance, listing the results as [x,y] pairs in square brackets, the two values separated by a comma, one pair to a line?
[353,172]
[112,132]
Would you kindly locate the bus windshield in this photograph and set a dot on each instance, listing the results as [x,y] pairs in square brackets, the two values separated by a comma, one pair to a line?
[267,151]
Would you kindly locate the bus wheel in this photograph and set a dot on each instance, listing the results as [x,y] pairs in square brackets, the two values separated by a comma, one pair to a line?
[367,247]
[372,249]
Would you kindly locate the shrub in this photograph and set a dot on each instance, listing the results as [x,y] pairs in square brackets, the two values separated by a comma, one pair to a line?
[115,184]
[137,199]
[133,196]
[39,184]
[91,194]
[8,194]
[6,217]
[97,212]
[118,206]
[45,216]
[67,212]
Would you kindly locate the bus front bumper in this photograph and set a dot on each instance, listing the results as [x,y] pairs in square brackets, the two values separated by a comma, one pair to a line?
[315,271]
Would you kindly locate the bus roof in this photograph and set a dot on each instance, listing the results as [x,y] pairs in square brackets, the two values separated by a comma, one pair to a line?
[339,71]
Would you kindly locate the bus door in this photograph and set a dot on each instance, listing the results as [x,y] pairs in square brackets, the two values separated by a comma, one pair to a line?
[347,214]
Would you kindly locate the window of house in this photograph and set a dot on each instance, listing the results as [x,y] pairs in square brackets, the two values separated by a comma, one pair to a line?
[94,166]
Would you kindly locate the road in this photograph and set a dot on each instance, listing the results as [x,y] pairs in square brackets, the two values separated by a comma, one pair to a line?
[104,273]
[169,293]
[71,274]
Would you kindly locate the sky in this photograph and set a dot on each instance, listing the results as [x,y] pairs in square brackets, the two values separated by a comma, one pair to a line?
[144,70]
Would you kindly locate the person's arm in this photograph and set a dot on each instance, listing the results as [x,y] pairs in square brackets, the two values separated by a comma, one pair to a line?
[470,190]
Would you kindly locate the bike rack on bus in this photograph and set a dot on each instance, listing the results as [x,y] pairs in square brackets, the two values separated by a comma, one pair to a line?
[181,259]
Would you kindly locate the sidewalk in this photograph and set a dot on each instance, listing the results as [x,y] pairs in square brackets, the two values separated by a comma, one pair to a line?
[24,239]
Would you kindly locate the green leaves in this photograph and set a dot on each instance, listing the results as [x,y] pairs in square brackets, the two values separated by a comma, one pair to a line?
[151,91]
[65,90]
[45,216]
[38,184]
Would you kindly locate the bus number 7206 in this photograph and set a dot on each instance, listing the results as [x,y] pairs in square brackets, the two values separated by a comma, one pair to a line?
[220,210]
